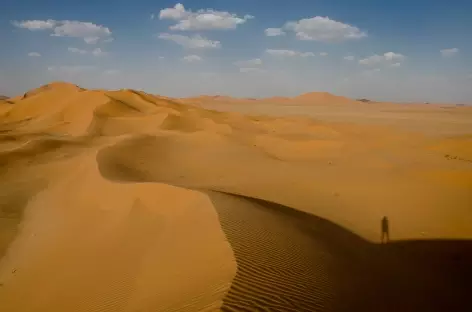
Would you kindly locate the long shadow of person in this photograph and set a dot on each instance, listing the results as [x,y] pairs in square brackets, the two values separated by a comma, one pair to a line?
[385,237]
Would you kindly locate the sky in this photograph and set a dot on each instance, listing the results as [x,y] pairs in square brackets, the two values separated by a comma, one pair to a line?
[402,50]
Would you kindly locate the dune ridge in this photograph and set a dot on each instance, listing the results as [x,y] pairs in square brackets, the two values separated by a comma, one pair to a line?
[124,201]
[310,98]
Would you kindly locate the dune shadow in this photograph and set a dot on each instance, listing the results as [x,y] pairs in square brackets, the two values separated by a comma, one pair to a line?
[294,261]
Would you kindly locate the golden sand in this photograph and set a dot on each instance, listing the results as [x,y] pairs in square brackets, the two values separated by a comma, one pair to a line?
[126,201]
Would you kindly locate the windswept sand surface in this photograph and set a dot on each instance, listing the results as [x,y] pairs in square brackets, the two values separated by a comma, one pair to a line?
[125,201]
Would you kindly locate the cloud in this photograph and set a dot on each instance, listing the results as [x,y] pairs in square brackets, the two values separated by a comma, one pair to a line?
[250,66]
[396,65]
[324,29]
[202,19]
[152,16]
[449,52]
[273,32]
[195,42]
[192,58]
[76,69]
[99,52]
[161,57]
[251,70]
[390,56]
[323,54]
[94,52]
[249,63]
[288,53]
[34,54]
[91,40]
[349,58]
[35,24]
[91,33]
[176,13]
[378,59]
[76,50]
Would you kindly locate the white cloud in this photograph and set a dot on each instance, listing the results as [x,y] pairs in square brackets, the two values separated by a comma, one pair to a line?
[94,52]
[323,54]
[161,57]
[250,66]
[349,58]
[249,63]
[195,42]
[35,24]
[34,54]
[273,32]
[176,13]
[202,19]
[76,69]
[288,53]
[390,56]
[449,52]
[91,33]
[76,50]
[192,58]
[152,16]
[99,52]
[320,28]
[91,40]
[251,70]
[396,65]
[386,57]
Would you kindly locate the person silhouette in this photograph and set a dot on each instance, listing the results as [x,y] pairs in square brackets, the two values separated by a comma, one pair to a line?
[385,237]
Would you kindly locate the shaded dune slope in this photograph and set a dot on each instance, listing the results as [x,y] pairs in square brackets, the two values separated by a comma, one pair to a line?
[293,261]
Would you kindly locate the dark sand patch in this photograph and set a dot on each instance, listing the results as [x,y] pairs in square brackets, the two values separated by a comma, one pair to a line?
[292,261]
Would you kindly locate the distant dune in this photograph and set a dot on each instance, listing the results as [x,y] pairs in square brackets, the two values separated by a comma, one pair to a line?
[312,98]
[127,201]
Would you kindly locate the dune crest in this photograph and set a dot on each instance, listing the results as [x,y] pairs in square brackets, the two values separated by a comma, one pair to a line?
[322,97]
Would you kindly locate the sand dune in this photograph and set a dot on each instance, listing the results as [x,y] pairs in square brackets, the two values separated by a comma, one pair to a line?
[311,98]
[293,261]
[87,244]
[126,201]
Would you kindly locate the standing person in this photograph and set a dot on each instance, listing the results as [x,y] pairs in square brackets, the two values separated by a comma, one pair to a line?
[385,231]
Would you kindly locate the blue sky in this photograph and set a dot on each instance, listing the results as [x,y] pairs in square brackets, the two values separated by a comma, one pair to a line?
[387,50]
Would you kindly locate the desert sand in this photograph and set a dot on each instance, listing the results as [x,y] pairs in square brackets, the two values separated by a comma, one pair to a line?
[127,201]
